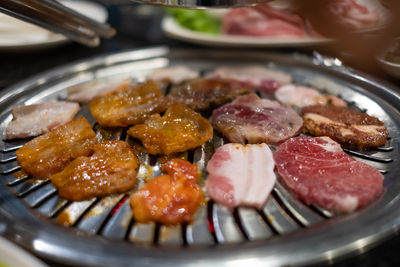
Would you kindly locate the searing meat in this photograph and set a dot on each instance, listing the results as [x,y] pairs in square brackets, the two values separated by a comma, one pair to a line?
[51,152]
[171,198]
[301,96]
[263,20]
[173,74]
[241,175]
[318,171]
[128,105]
[202,94]
[352,14]
[352,129]
[110,169]
[178,130]
[86,92]
[257,77]
[38,119]
[256,120]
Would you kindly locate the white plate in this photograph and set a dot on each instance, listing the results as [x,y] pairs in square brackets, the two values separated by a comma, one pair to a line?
[174,30]
[19,35]
[14,256]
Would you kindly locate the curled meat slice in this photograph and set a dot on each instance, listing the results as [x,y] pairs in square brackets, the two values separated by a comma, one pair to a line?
[351,128]
[178,130]
[110,169]
[171,198]
[128,105]
[241,175]
[301,96]
[257,77]
[51,152]
[202,94]
[254,120]
[319,172]
[37,119]
[172,74]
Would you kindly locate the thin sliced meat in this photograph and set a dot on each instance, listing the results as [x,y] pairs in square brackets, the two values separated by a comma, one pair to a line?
[171,198]
[257,77]
[254,120]
[263,20]
[319,172]
[110,169]
[241,175]
[51,152]
[301,96]
[128,105]
[173,74]
[351,128]
[203,94]
[178,130]
[86,92]
[34,120]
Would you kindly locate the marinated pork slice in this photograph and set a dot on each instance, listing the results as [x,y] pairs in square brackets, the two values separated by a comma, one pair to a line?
[173,74]
[178,130]
[128,105]
[352,129]
[301,96]
[51,152]
[257,77]
[86,92]
[171,198]
[241,175]
[203,94]
[34,120]
[110,169]
[352,14]
[254,120]
[263,20]
[318,171]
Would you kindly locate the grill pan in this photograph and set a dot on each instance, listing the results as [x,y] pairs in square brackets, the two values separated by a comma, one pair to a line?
[101,231]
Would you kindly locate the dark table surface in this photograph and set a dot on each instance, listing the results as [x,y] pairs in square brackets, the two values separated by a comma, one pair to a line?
[139,27]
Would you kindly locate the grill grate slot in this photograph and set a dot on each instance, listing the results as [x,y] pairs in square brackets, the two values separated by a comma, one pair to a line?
[143,233]
[118,223]
[276,217]
[253,224]
[52,206]
[39,196]
[368,157]
[71,214]
[226,229]
[9,159]
[28,186]
[171,235]
[198,232]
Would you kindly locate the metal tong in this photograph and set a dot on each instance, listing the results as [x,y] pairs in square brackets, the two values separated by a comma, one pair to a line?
[56,17]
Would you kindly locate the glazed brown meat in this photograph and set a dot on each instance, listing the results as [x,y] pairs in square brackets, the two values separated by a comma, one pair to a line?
[111,169]
[202,94]
[350,128]
[51,152]
[128,105]
[178,130]
[171,198]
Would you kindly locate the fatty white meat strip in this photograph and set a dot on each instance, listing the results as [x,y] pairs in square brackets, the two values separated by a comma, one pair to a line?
[86,92]
[241,175]
[301,96]
[173,74]
[38,119]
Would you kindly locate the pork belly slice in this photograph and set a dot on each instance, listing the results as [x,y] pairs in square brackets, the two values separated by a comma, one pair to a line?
[172,74]
[51,152]
[241,175]
[257,77]
[86,92]
[110,169]
[37,119]
[254,120]
[319,172]
[171,198]
[351,128]
[128,105]
[178,130]
[203,94]
[301,96]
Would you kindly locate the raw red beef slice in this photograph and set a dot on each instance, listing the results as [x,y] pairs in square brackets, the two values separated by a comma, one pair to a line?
[319,172]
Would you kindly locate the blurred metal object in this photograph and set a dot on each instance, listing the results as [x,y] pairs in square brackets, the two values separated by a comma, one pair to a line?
[56,17]
[202,4]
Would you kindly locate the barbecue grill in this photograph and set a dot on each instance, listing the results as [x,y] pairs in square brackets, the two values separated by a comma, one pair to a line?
[102,232]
